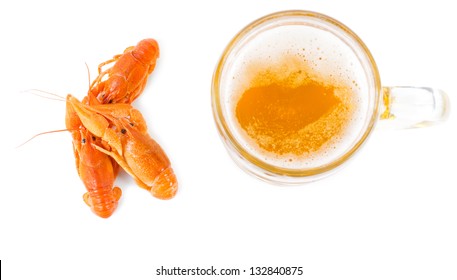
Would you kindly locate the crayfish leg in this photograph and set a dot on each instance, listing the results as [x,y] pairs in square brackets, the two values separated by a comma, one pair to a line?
[109,61]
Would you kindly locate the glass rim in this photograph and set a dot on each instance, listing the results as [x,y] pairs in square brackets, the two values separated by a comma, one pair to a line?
[233,143]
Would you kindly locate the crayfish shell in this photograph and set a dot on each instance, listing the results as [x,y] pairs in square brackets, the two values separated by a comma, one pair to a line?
[165,185]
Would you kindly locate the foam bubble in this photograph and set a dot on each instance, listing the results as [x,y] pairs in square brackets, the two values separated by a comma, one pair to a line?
[298,53]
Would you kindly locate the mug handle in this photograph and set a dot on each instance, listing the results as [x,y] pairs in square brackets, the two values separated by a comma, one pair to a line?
[412,107]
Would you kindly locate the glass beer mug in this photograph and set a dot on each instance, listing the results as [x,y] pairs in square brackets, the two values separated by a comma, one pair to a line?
[296,94]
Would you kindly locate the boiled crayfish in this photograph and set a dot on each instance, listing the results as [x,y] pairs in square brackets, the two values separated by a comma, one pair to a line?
[107,132]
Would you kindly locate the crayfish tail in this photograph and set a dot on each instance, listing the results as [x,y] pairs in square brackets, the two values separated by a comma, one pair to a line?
[103,204]
[165,185]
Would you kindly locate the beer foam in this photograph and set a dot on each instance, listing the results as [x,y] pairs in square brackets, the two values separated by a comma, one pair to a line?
[298,53]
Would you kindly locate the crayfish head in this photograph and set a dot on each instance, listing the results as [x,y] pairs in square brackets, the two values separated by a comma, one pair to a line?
[94,122]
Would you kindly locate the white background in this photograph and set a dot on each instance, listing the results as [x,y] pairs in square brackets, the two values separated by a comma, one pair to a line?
[390,214]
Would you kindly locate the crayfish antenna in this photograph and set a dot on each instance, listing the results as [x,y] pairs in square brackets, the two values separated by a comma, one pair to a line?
[44,94]
[42,133]
[88,75]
